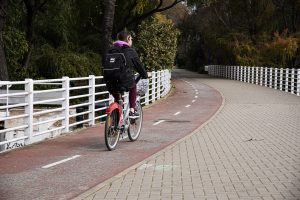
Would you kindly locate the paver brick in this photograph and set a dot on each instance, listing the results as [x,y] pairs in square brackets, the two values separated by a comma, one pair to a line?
[249,150]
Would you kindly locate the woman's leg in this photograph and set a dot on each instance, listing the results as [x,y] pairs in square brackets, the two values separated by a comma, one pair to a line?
[132,97]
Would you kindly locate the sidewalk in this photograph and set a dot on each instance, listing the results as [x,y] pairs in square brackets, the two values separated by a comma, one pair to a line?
[249,150]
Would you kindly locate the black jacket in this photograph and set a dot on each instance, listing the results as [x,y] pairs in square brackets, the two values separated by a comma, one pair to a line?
[133,61]
[134,64]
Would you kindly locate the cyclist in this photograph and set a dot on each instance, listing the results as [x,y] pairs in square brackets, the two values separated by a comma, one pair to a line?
[124,40]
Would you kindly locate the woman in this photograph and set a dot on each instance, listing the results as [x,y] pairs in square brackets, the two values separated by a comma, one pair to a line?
[124,42]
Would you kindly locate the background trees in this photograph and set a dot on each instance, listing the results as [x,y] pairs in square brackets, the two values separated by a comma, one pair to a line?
[50,39]
[241,32]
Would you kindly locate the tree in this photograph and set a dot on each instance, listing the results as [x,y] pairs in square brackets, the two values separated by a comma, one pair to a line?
[163,36]
[32,9]
[3,65]
[154,8]
[108,22]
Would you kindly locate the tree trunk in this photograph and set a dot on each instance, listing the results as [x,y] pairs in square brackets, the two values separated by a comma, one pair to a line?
[3,65]
[108,21]
[29,4]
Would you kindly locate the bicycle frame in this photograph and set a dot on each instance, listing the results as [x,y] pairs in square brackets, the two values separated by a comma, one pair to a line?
[123,108]
[119,121]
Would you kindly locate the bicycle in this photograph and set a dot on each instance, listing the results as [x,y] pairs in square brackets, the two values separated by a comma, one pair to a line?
[118,120]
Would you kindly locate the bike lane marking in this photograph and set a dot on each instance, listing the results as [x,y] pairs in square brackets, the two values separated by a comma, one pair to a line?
[193,101]
[177,113]
[160,121]
[60,162]
[187,106]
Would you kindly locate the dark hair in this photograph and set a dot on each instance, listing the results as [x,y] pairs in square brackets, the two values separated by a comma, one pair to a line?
[123,35]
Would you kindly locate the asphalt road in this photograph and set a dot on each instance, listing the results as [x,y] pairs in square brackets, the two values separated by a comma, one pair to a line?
[65,167]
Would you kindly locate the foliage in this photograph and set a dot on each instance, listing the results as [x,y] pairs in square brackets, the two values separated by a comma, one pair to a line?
[65,37]
[55,63]
[15,46]
[15,43]
[157,43]
[241,32]
[280,50]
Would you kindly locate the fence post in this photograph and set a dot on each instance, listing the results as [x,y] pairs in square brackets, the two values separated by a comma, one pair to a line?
[298,82]
[261,75]
[293,91]
[234,73]
[153,85]
[164,82]
[245,74]
[92,99]
[287,80]
[241,73]
[66,103]
[256,77]
[238,73]
[280,79]
[251,74]
[276,79]
[266,76]
[29,111]
[158,84]
[271,78]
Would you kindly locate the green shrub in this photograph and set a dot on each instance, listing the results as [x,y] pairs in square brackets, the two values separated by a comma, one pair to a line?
[15,46]
[157,43]
[56,63]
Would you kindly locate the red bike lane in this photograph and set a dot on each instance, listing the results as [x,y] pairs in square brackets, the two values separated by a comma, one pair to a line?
[165,122]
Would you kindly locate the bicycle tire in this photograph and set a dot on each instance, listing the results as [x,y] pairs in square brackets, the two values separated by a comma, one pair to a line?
[135,126]
[112,132]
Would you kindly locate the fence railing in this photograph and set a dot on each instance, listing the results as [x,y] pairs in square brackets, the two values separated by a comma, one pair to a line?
[34,110]
[287,80]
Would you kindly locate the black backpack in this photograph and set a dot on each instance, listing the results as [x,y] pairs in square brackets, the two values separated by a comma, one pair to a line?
[116,72]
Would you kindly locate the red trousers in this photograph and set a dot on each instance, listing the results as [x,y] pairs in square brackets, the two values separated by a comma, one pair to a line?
[132,95]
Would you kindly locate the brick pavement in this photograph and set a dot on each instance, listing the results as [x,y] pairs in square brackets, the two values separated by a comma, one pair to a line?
[249,150]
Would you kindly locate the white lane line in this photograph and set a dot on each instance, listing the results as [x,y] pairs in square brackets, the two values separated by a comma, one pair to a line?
[59,162]
[193,101]
[160,121]
[177,113]
[187,106]
[196,97]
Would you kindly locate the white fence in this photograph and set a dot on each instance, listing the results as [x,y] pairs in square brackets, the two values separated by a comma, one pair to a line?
[287,80]
[34,110]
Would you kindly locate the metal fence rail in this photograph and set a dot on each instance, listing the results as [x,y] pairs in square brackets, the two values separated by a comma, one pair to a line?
[41,109]
[287,80]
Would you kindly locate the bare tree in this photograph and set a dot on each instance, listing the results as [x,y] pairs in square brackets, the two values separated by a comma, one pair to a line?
[3,65]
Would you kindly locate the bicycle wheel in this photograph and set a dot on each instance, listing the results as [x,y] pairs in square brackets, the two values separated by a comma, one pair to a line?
[135,126]
[112,132]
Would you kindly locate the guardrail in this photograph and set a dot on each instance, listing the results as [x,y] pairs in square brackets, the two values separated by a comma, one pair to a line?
[32,115]
[287,80]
